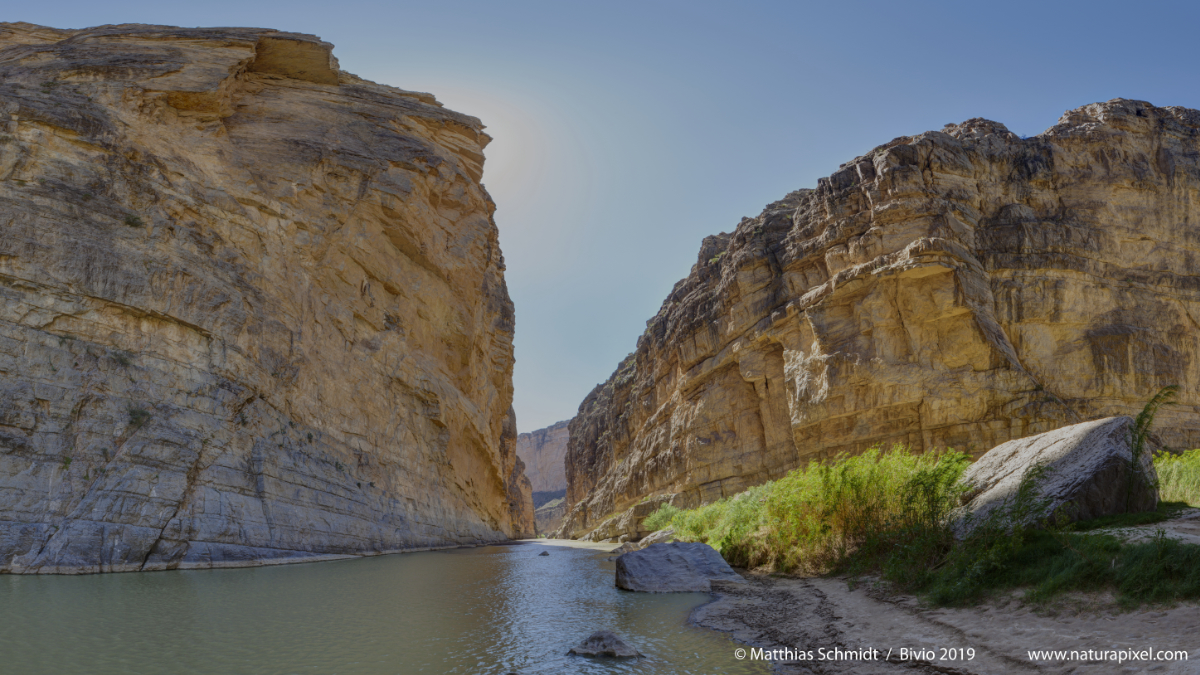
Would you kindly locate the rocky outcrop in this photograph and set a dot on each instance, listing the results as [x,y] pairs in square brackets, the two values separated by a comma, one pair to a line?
[252,308]
[1088,472]
[520,492]
[544,452]
[959,288]
[549,515]
[673,568]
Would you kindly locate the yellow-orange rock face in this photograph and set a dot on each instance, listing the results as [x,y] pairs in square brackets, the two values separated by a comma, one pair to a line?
[252,308]
[959,288]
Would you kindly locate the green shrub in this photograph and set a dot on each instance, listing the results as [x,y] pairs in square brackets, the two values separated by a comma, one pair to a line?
[661,518]
[1179,477]
[138,416]
[134,221]
[850,513]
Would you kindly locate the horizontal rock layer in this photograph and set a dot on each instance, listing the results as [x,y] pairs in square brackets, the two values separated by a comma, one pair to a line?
[252,308]
[958,288]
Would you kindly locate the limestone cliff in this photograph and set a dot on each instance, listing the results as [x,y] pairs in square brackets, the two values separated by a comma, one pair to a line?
[958,288]
[252,308]
[544,452]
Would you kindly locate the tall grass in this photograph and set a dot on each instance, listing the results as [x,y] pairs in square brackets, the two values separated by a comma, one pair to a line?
[853,512]
[892,514]
[1179,477]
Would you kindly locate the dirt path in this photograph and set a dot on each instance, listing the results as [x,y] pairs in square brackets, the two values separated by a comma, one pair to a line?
[824,614]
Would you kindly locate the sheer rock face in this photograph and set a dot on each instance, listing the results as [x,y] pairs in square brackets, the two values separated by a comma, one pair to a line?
[959,288]
[544,452]
[252,308]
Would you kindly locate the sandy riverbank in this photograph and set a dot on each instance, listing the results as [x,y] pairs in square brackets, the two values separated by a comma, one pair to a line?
[815,613]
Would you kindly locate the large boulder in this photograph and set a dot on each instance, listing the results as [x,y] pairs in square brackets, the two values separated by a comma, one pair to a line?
[1087,472]
[673,568]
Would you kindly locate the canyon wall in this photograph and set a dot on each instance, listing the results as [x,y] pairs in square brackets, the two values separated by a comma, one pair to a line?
[959,288]
[544,452]
[252,308]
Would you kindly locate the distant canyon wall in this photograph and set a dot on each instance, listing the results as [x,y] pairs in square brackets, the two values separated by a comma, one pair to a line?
[252,308]
[958,288]
[544,452]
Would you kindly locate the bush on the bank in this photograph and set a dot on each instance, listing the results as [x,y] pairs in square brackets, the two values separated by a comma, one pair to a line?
[851,512]
[1179,477]
[661,518]
[889,513]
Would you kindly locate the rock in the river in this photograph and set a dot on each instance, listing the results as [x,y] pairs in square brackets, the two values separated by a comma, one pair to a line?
[959,288]
[604,643]
[1087,472]
[673,568]
[252,308]
[544,553]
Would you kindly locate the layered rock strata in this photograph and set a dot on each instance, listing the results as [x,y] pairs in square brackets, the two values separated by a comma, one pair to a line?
[544,452]
[252,308]
[549,516]
[959,288]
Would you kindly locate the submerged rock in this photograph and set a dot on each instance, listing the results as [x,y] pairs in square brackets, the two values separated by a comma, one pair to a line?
[604,643]
[673,568]
[1087,472]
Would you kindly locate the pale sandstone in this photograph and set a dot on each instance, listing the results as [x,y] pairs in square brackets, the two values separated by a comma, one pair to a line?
[549,516]
[959,288]
[544,452]
[1088,472]
[252,308]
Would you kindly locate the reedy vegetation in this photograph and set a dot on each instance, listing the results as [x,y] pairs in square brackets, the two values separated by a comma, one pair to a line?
[892,514]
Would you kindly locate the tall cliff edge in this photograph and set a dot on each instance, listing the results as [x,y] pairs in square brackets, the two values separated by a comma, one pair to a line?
[959,288]
[252,308]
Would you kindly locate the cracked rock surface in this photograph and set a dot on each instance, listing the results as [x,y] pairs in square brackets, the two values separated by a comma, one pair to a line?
[252,308]
[958,288]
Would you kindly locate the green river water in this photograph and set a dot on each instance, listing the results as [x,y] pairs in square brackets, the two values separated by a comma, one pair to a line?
[496,609]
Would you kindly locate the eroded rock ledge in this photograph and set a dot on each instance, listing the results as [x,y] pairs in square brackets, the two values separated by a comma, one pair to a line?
[958,288]
[252,308]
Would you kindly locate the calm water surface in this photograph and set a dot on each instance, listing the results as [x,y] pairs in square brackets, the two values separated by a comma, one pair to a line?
[499,609]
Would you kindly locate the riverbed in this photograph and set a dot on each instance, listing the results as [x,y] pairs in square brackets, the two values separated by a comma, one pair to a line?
[494,609]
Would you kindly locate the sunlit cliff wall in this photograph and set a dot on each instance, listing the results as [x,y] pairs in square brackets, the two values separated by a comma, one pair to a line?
[958,288]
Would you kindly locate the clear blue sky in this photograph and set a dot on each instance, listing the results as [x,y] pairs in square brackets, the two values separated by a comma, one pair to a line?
[627,131]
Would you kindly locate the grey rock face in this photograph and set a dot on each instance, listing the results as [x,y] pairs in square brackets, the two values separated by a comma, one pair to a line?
[673,568]
[1088,472]
[604,643]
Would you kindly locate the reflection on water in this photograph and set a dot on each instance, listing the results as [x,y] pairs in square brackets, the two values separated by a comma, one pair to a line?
[499,609]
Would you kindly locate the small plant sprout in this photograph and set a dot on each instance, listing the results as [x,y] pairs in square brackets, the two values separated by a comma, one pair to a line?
[134,221]
[138,416]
